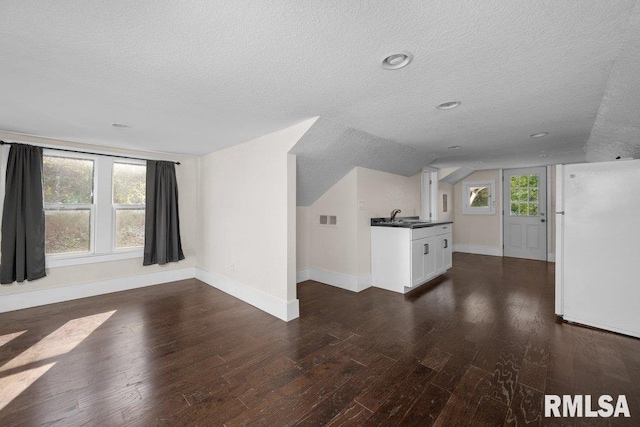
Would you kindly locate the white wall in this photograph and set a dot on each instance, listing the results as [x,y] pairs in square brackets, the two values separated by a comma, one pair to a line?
[477,233]
[246,231]
[303,236]
[444,188]
[62,278]
[334,249]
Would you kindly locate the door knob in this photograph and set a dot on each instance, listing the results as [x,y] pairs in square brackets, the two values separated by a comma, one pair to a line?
[543,220]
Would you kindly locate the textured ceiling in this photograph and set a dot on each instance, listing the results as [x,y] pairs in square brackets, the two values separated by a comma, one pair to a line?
[616,131]
[192,77]
[328,151]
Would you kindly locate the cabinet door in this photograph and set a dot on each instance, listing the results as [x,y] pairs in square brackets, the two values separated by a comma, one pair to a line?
[440,254]
[448,251]
[418,250]
[430,251]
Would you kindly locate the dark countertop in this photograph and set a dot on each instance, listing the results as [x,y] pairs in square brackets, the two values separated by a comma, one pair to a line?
[406,222]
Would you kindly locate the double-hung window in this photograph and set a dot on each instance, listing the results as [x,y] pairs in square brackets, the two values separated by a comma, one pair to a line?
[129,186]
[69,184]
[94,208]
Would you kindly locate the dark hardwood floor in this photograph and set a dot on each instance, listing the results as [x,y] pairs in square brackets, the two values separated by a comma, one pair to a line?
[480,346]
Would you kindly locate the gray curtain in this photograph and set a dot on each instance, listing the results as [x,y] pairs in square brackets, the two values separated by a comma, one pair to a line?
[162,226]
[23,216]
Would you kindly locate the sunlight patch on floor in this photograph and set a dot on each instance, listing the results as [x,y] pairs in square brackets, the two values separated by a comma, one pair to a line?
[8,337]
[59,342]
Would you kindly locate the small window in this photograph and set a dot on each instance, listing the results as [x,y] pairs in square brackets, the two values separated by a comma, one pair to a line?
[129,185]
[478,197]
[69,204]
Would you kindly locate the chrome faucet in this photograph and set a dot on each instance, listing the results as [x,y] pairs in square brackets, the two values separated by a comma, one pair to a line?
[394,213]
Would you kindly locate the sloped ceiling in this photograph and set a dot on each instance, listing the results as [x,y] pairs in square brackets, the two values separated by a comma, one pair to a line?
[193,77]
[616,131]
[329,150]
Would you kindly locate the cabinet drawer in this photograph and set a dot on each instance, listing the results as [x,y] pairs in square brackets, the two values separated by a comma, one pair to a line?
[444,229]
[421,233]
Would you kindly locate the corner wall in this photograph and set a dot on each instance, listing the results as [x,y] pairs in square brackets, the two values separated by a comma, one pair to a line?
[478,234]
[246,244]
[481,234]
[341,256]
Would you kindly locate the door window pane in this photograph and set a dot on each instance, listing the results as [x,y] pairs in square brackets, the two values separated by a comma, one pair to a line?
[524,195]
[67,231]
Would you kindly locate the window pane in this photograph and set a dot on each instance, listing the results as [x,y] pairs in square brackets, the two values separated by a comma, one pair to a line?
[129,228]
[523,180]
[533,181]
[67,180]
[129,184]
[67,231]
[524,195]
[479,197]
[533,209]
[514,208]
[514,182]
[533,195]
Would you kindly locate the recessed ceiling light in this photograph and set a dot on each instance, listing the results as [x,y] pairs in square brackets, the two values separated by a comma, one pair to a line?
[120,125]
[448,105]
[397,60]
[539,134]
[455,147]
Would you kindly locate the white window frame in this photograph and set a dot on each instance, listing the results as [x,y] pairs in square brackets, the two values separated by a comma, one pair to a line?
[62,206]
[467,209]
[115,207]
[102,218]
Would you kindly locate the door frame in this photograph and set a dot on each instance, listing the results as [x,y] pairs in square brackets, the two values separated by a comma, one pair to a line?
[547,172]
[429,194]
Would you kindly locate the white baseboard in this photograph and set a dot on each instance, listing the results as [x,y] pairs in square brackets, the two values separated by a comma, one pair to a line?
[83,290]
[339,280]
[276,307]
[478,249]
[551,257]
[302,275]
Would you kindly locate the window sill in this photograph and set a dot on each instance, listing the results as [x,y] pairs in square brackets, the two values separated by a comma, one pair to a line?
[69,260]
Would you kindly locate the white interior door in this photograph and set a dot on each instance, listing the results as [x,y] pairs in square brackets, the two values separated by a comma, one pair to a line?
[525,214]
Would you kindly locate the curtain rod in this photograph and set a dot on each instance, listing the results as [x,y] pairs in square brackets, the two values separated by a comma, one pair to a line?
[83,152]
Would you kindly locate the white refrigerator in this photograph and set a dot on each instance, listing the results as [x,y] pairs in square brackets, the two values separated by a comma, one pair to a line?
[598,245]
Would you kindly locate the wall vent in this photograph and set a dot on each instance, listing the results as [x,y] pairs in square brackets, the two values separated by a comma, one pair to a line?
[328,220]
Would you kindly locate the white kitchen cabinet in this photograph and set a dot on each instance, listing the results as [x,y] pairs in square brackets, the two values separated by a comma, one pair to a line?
[424,255]
[444,252]
[404,258]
